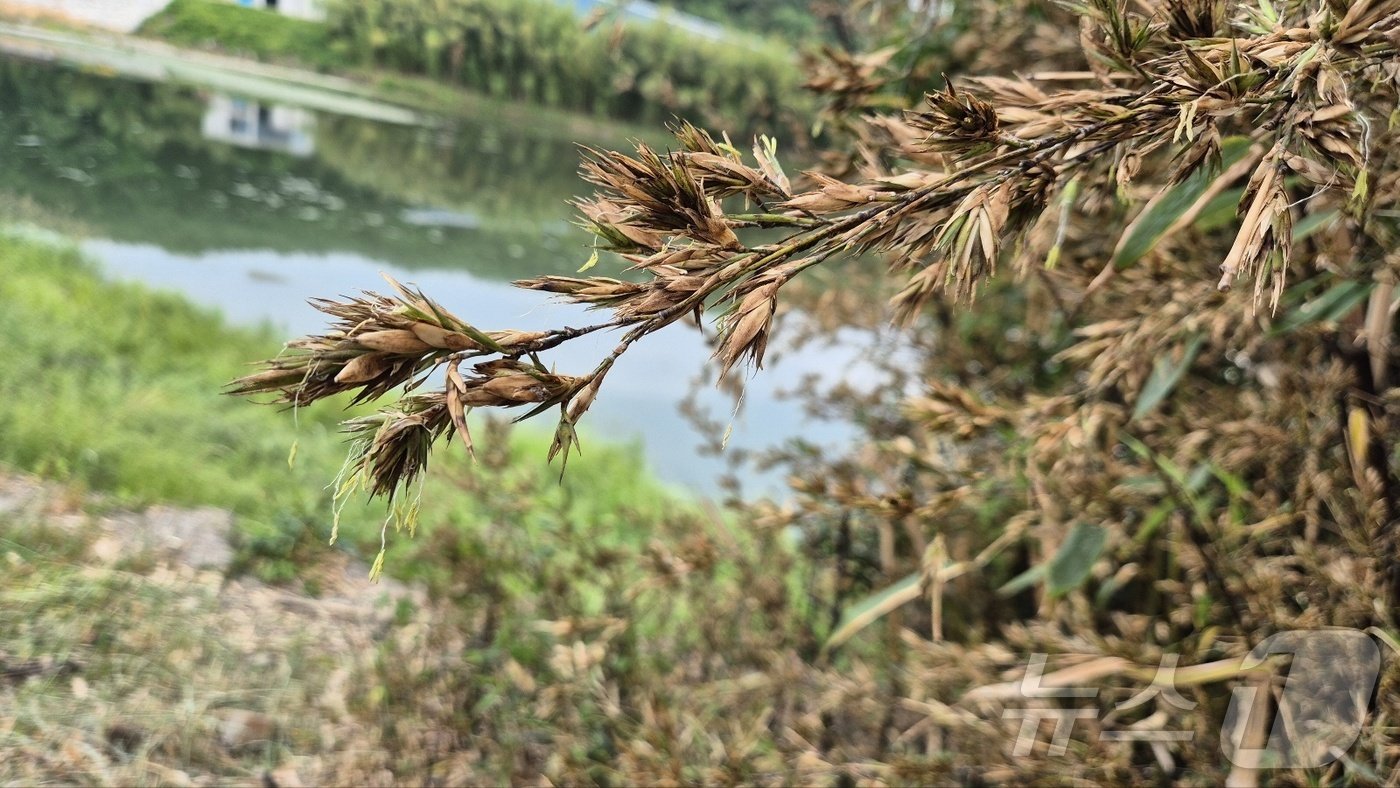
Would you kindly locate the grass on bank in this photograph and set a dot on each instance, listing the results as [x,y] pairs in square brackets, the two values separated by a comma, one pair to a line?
[116,389]
[202,24]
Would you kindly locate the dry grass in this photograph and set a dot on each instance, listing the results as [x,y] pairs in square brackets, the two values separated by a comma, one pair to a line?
[126,667]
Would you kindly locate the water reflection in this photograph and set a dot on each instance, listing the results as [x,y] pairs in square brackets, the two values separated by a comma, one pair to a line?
[157,164]
[253,124]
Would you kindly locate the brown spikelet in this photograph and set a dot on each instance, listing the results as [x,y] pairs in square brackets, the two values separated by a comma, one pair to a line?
[1265,239]
[442,338]
[744,331]
[956,121]
[391,448]
[393,340]
[971,238]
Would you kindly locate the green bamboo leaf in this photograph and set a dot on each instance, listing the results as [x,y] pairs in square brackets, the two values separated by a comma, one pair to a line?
[1072,562]
[1186,487]
[1166,374]
[1333,304]
[1147,230]
[1023,581]
[1153,521]
[873,608]
[1105,593]
[1313,223]
[1220,211]
[592,261]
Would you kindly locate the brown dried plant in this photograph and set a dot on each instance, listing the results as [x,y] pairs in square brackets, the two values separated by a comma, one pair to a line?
[992,156]
[1126,164]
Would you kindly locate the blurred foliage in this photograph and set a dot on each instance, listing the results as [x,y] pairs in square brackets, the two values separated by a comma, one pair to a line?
[791,20]
[552,614]
[123,416]
[535,50]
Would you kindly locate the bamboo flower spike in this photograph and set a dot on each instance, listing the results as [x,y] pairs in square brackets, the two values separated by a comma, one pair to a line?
[956,123]
[985,161]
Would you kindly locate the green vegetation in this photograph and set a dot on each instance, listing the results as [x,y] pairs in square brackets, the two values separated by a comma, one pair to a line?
[521,50]
[210,24]
[536,50]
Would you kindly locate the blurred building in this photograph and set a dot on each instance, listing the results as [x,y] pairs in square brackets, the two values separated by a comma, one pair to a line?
[305,9]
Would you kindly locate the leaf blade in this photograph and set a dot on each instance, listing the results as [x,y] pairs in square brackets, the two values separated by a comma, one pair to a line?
[1075,558]
[1165,377]
[873,608]
[1163,211]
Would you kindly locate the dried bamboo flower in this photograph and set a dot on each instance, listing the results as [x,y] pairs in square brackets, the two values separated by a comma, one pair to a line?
[391,448]
[1265,239]
[595,291]
[956,122]
[1204,151]
[744,331]
[1188,19]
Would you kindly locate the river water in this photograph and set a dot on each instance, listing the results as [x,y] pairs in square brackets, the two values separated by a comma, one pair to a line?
[251,208]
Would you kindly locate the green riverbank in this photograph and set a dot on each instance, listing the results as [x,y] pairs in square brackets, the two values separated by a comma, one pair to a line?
[362,93]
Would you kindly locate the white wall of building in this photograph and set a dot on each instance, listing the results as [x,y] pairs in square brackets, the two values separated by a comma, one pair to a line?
[303,9]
